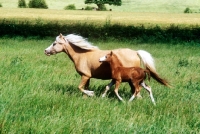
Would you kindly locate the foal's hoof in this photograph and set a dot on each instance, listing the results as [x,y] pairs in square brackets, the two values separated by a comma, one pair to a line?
[103,95]
[139,97]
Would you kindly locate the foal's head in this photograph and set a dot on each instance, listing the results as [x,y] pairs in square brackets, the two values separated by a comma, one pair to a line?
[107,58]
[111,58]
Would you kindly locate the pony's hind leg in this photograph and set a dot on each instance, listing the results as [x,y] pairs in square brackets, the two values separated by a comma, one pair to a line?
[108,87]
[148,88]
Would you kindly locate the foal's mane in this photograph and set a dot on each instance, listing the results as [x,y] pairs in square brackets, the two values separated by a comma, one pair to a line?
[116,59]
[79,41]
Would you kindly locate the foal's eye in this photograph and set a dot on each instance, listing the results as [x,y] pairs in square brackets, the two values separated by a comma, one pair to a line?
[54,44]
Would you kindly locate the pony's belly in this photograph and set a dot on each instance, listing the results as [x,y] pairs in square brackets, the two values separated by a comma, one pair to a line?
[103,76]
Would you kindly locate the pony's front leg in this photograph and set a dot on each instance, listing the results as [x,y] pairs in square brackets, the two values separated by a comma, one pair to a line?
[108,87]
[84,81]
[116,90]
[87,84]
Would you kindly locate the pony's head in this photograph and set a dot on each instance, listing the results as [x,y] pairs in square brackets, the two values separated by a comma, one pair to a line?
[56,47]
[107,58]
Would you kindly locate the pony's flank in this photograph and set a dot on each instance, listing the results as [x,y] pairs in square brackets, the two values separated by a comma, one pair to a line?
[80,42]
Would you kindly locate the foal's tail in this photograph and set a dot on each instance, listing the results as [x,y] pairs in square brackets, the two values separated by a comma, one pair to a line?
[147,74]
[158,78]
[147,62]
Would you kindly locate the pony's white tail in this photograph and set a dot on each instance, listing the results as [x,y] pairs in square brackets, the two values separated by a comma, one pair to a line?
[147,59]
[149,64]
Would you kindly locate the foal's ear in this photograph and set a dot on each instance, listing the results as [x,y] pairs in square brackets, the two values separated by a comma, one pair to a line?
[60,35]
[111,53]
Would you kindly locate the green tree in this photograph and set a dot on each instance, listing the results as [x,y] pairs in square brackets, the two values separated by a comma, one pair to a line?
[37,4]
[21,3]
[100,3]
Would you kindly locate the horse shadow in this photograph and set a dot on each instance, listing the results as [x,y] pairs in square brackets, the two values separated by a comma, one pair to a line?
[73,90]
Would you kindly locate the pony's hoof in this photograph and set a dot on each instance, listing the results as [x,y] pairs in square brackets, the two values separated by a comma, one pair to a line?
[89,93]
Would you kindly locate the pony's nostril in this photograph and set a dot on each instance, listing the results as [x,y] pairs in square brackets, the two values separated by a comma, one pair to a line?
[46,52]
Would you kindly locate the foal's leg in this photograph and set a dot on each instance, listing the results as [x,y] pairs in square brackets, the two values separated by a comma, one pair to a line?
[149,90]
[139,95]
[133,89]
[84,80]
[116,89]
[137,90]
[108,87]
[135,93]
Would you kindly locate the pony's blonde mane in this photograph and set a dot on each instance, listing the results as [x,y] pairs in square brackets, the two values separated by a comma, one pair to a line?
[79,41]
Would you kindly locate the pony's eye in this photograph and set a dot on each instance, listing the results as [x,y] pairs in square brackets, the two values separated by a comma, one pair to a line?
[54,44]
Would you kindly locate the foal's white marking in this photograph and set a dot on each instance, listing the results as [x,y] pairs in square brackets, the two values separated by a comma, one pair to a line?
[102,58]
[132,97]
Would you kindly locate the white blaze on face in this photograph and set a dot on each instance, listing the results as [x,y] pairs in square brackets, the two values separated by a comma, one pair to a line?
[102,58]
[48,50]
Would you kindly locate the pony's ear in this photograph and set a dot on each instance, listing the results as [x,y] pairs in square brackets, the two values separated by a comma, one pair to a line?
[60,35]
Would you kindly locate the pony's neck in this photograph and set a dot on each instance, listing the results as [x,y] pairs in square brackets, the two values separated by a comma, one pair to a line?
[70,51]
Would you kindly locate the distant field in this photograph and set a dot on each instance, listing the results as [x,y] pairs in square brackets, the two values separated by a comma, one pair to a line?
[165,6]
[127,18]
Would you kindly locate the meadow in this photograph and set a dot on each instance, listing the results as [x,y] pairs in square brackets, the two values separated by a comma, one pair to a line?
[39,94]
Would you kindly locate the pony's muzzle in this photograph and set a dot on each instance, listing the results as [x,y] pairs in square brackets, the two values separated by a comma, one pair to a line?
[47,52]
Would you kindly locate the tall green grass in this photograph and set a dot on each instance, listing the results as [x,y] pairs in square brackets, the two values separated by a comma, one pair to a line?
[39,94]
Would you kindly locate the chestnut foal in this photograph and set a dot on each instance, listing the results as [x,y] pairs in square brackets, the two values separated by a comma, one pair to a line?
[134,75]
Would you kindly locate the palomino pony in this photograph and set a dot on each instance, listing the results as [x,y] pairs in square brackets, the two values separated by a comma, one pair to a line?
[133,75]
[85,57]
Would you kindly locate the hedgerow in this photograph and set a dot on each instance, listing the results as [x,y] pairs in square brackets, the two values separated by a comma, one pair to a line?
[39,28]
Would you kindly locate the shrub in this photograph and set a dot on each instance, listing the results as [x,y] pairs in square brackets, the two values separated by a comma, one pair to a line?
[70,7]
[37,4]
[187,10]
[21,3]
[1,5]
[89,8]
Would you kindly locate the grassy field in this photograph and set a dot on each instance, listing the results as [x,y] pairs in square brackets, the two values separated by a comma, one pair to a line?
[39,94]
[165,6]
